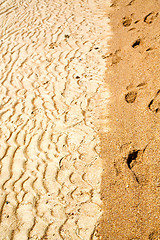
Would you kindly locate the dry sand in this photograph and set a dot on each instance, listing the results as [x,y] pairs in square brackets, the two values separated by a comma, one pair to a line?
[52,69]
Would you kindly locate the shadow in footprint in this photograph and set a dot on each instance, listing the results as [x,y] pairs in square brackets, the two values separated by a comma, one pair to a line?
[130,3]
[130,97]
[115,57]
[126,22]
[141,84]
[132,158]
[150,17]
[154,104]
[136,43]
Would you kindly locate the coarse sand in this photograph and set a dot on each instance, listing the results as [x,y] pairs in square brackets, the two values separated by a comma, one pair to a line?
[131,149]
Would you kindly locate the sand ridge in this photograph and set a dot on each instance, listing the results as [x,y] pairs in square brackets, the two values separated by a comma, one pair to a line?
[52,66]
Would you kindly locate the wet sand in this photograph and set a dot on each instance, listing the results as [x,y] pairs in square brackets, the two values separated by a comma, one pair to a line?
[131,150]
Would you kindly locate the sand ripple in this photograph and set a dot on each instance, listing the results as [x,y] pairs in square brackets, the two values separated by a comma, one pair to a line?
[52,64]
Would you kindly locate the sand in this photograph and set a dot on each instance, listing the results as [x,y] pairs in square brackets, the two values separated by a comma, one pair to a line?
[131,149]
[80,120]
[52,71]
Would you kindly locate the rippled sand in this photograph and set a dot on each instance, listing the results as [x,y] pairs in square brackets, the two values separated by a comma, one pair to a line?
[52,67]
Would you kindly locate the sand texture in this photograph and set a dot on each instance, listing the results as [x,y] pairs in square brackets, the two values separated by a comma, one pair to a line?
[80,120]
[131,149]
[52,68]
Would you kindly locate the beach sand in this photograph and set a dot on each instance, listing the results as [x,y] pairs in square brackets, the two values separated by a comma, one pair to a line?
[52,72]
[131,149]
[80,120]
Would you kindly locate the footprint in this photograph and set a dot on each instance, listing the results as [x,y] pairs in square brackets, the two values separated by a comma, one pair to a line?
[154,104]
[115,57]
[131,96]
[141,84]
[130,3]
[149,49]
[131,159]
[114,4]
[126,22]
[150,17]
[136,43]
[137,21]
[134,157]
